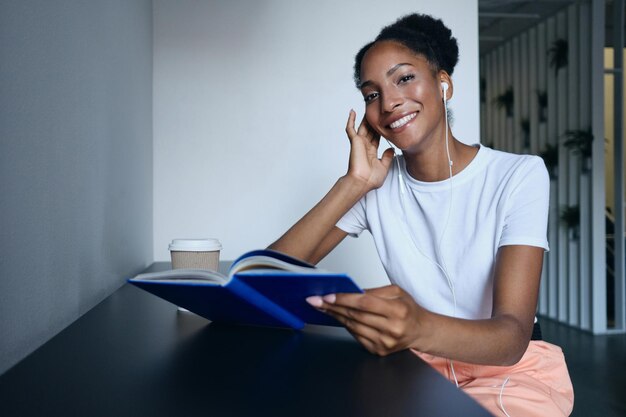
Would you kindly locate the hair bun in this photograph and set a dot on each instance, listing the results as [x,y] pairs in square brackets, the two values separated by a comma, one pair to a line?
[424,35]
[415,30]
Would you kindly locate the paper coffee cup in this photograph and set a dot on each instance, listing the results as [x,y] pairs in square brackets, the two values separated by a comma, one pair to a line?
[195,253]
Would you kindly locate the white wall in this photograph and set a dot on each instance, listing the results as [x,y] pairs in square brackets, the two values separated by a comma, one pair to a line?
[250,102]
[75,161]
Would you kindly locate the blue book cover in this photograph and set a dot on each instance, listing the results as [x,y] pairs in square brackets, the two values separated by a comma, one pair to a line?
[264,287]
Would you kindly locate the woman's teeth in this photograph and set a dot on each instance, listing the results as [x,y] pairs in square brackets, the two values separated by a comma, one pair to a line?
[403,121]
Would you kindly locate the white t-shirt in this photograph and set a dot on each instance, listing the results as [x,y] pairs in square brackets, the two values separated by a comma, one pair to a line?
[498,199]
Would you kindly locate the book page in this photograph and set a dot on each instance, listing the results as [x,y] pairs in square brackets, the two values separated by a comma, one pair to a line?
[267,262]
[180,275]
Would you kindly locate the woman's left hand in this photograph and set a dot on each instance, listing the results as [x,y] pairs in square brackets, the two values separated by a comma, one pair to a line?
[384,320]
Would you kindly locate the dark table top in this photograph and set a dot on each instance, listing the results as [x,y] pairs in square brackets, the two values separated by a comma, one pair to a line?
[136,355]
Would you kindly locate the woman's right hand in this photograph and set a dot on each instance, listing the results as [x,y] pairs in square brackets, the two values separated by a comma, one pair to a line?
[364,164]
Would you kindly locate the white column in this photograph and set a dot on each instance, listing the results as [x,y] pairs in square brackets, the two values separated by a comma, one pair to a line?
[533,117]
[508,83]
[524,92]
[584,111]
[618,161]
[541,77]
[490,79]
[551,138]
[533,107]
[483,108]
[573,84]
[501,116]
[516,63]
[598,324]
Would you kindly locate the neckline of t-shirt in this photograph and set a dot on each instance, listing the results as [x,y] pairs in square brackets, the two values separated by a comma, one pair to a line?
[469,172]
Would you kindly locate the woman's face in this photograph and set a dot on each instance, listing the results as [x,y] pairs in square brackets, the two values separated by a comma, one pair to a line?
[403,98]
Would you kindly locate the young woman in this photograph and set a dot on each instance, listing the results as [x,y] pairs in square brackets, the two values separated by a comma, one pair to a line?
[460,230]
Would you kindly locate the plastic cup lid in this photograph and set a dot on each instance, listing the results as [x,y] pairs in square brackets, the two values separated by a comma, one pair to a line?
[195,245]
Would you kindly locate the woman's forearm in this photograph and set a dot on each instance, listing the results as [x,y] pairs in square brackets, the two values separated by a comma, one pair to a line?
[499,341]
[303,239]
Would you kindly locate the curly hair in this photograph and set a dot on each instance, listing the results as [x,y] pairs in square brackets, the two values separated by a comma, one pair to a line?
[422,34]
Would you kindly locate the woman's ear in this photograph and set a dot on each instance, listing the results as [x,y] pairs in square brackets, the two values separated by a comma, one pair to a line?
[447,88]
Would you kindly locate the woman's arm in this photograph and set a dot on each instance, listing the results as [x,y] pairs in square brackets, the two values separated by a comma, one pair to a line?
[387,319]
[313,236]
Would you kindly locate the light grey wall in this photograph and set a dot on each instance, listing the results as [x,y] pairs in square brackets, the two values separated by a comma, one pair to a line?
[75,161]
[251,100]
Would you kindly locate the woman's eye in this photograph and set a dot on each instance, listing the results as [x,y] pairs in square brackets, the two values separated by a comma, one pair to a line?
[370,97]
[406,78]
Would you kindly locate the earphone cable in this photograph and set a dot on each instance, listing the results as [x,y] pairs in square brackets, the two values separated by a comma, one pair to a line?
[442,267]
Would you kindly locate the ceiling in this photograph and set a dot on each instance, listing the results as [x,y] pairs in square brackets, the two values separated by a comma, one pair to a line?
[500,20]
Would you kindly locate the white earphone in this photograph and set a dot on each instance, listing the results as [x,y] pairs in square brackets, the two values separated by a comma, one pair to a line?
[444,88]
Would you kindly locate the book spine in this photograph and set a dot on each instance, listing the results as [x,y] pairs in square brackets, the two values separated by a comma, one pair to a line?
[263,303]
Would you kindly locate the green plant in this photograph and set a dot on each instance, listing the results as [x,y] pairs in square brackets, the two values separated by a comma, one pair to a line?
[483,90]
[542,101]
[570,217]
[525,126]
[506,100]
[579,142]
[558,55]
[550,155]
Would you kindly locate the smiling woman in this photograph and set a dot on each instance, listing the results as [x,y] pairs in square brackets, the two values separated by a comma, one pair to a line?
[460,230]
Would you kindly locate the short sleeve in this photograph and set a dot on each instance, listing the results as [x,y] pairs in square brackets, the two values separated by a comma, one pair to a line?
[526,216]
[355,220]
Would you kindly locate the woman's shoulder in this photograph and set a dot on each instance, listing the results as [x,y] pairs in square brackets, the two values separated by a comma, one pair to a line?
[511,161]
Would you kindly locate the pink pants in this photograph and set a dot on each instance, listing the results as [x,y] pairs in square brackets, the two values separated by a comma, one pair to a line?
[538,385]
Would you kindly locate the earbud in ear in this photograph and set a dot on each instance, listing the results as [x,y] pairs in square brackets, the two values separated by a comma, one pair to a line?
[444,89]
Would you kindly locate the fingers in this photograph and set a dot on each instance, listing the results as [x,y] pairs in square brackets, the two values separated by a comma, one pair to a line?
[387,158]
[387,291]
[350,125]
[363,128]
[371,338]
[374,337]
[366,130]
[367,308]
[360,323]
[351,317]
[380,319]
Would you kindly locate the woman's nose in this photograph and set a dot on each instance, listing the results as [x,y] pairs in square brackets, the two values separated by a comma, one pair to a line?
[391,101]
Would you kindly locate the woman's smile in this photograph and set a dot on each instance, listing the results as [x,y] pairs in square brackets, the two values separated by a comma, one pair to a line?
[402,121]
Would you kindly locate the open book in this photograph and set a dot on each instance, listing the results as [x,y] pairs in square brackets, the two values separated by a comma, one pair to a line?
[263,287]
